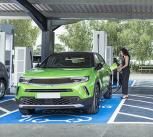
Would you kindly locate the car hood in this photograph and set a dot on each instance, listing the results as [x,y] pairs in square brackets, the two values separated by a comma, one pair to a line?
[58,72]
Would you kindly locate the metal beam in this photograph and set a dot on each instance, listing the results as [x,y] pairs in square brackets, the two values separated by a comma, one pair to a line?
[38,17]
[47,46]
[54,24]
[63,22]
[92,2]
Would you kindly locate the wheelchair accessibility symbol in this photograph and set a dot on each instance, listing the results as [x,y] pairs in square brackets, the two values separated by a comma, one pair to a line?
[54,118]
[106,106]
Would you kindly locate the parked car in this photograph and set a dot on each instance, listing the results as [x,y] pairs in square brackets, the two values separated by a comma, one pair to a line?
[4,80]
[63,81]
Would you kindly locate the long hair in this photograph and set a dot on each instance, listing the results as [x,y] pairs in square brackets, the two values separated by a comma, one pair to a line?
[125,52]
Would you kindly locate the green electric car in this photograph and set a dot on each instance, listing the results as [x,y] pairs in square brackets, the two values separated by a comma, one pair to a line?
[64,81]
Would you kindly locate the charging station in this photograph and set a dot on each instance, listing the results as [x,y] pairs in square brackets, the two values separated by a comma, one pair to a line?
[7,49]
[16,59]
[100,46]
[100,43]
[23,61]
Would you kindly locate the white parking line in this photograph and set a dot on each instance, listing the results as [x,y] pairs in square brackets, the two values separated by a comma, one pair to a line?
[10,95]
[137,116]
[138,107]
[141,96]
[111,120]
[141,101]
[147,95]
[8,113]
[4,110]
[149,123]
[7,100]
[133,83]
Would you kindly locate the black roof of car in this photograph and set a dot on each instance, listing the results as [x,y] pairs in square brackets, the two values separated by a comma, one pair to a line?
[88,55]
[76,53]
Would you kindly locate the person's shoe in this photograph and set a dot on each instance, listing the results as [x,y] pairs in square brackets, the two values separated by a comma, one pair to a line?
[124,97]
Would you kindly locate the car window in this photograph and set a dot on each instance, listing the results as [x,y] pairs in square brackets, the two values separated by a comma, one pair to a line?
[96,60]
[68,61]
[102,61]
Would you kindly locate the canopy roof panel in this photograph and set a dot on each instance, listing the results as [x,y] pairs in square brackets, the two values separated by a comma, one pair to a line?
[83,9]
[54,13]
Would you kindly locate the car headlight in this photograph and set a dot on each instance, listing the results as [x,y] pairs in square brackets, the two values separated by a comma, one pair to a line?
[24,80]
[80,79]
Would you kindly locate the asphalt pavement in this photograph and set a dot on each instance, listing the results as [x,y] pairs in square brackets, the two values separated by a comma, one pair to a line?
[77,130]
[131,118]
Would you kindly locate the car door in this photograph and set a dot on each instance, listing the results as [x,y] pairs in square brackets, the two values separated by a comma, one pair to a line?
[105,71]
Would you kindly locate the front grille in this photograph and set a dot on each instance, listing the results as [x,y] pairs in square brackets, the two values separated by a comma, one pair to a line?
[60,101]
[48,90]
[51,81]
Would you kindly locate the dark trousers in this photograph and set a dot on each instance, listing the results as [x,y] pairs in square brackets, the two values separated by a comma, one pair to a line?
[124,80]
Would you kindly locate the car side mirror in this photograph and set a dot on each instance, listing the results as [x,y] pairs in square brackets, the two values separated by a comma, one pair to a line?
[99,66]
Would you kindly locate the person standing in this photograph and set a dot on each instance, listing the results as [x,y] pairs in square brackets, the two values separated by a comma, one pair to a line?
[124,69]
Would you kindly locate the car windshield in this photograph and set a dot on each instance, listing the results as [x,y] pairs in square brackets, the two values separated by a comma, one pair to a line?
[67,61]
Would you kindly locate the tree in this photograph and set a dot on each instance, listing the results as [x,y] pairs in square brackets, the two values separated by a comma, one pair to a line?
[59,48]
[135,35]
[24,34]
[77,36]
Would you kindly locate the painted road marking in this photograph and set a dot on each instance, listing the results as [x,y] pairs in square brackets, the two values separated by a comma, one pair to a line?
[132,106]
[144,83]
[111,120]
[132,85]
[149,123]
[138,116]
[4,110]
[6,114]
[6,100]
[141,101]
[109,111]
[9,95]
[141,96]
[149,95]
[108,106]
[45,119]
[138,107]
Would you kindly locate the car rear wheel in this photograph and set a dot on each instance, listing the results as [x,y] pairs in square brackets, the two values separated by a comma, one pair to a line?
[108,93]
[94,108]
[2,88]
[26,111]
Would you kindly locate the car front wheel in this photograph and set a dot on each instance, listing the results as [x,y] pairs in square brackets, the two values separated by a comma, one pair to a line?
[2,88]
[94,108]
[108,93]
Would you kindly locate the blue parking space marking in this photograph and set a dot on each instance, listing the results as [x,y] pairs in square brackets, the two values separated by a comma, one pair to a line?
[107,107]
[7,97]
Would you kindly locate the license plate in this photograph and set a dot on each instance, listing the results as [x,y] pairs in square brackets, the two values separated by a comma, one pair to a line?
[47,95]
